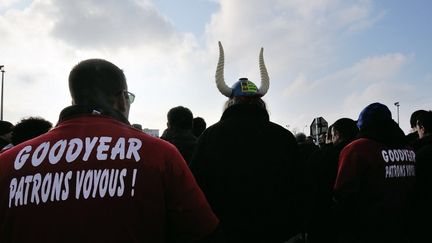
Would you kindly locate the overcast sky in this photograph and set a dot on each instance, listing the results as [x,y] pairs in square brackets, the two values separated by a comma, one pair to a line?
[325,58]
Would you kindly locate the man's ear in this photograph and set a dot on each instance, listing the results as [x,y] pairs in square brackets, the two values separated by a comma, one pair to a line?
[422,128]
[120,103]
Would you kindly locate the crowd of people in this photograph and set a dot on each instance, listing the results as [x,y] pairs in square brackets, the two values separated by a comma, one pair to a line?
[96,178]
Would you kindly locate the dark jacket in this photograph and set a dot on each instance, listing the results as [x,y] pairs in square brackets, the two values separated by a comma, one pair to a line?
[419,144]
[306,150]
[423,193]
[320,175]
[184,141]
[248,167]
[412,138]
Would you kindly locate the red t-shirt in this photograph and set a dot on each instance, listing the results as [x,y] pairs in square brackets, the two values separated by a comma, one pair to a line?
[94,179]
[372,190]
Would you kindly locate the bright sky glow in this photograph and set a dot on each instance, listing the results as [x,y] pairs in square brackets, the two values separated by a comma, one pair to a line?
[325,58]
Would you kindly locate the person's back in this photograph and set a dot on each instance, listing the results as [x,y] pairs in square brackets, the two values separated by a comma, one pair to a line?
[95,178]
[320,175]
[375,179]
[248,166]
[306,148]
[423,194]
[86,179]
[179,131]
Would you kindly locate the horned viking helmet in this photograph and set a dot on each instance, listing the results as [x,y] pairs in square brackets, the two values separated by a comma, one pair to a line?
[243,87]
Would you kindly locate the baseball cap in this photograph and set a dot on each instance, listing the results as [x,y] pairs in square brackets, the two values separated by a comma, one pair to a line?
[374,113]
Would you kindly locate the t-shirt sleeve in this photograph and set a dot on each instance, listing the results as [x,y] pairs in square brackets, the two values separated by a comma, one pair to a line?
[348,170]
[189,215]
[347,185]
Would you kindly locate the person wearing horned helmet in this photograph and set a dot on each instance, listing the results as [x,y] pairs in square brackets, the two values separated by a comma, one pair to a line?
[247,166]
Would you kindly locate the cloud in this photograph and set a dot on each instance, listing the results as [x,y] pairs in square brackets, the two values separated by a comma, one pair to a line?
[111,24]
[345,92]
[7,3]
[39,47]
[299,86]
[384,92]
[304,35]
[91,24]
[375,69]
[370,70]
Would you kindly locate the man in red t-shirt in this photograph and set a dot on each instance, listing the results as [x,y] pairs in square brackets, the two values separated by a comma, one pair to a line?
[375,179]
[95,178]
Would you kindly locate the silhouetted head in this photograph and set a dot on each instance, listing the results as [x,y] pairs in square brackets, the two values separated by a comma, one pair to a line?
[180,118]
[29,128]
[424,124]
[344,129]
[6,130]
[198,127]
[97,82]
[375,122]
[375,113]
[413,118]
[5,127]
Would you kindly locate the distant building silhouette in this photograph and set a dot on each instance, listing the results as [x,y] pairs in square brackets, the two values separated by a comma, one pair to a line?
[151,132]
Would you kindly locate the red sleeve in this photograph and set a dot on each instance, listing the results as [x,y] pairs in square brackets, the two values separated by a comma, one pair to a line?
[348,183]
[189,215]
[348,169]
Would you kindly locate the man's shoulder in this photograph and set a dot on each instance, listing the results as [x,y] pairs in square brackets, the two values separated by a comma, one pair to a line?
[371,147]
[276,130]
[361,142]
[424,141]
[425,150]
[92,133]
[359,146]
[277,126]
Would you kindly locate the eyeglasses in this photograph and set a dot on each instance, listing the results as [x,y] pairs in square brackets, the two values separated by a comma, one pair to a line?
[128,95]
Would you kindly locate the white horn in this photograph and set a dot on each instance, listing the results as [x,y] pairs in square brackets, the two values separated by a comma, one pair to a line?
[220,80]
[265,80]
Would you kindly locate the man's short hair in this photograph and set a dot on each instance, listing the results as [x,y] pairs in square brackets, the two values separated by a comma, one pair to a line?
[347,128]
[93,79]
[29,128]
[424,119]
[414,116]
[180,117]
[198,126]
